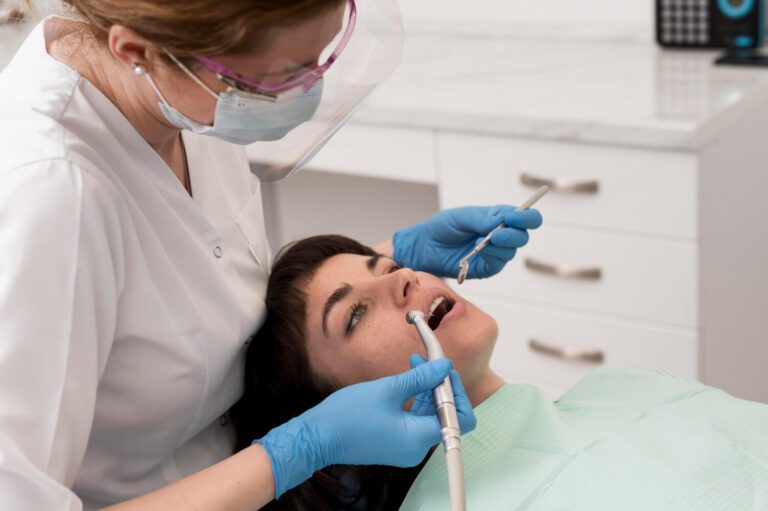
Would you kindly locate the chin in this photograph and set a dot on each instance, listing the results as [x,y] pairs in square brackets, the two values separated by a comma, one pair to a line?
[470,343]
[480,321]
[487,330]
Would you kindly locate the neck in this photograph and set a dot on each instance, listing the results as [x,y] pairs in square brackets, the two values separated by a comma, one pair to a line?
[484,388]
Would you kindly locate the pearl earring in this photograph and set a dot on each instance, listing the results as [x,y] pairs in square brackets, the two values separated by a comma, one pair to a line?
[138,70]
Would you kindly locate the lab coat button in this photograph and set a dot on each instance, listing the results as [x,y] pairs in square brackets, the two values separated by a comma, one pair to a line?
[217,252]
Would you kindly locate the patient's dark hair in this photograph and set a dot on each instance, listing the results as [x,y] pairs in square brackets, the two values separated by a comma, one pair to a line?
[280,385]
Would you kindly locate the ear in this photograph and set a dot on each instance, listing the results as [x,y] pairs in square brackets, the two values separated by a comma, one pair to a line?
[131,49]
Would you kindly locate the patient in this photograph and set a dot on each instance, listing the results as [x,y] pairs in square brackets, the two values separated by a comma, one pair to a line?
[617,440]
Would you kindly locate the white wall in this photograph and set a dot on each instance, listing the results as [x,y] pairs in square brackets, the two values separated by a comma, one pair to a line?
[575,14]
[495,12]
[11,36]
[369,210]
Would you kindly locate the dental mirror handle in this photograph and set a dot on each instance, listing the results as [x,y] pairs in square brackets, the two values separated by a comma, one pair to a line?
[526,205]
[464,263]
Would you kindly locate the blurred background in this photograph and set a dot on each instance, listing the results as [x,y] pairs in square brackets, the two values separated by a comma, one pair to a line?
[654,251]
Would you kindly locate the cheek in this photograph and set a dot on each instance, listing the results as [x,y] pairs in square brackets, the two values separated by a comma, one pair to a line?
[201,107]
[382,348]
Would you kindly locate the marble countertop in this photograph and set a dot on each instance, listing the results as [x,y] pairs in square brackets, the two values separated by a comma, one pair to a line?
[606,89]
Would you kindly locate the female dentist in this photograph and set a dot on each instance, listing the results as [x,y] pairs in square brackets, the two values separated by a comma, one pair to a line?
[134,260]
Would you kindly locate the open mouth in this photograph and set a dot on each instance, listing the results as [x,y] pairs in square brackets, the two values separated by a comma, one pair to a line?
[439,308]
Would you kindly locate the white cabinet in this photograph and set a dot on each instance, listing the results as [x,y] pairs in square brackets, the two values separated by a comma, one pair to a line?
[615,275]
[601,187]
[587,256]
[611,278]
[555,347]
[602,272]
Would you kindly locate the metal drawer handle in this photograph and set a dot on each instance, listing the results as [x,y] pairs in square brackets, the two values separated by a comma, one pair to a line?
[595,356]
[561,185]
[564,273]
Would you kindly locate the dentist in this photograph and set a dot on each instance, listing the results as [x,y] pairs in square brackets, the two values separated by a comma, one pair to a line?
[133,255]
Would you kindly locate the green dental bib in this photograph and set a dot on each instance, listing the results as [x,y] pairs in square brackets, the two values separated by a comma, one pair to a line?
[619,440]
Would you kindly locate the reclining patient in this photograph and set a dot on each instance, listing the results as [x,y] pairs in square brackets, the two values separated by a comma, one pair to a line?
[620,439]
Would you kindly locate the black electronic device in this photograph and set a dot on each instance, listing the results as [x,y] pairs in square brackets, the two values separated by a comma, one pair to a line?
[729,24]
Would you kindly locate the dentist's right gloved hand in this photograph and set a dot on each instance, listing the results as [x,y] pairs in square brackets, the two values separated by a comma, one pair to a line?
[363,424]
[424,404]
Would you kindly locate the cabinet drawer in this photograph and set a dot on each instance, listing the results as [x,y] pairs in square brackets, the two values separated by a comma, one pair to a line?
[583,337]
[638,278]
[644,191]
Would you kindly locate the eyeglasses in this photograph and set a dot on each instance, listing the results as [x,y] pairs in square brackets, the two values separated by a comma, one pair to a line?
[307,79]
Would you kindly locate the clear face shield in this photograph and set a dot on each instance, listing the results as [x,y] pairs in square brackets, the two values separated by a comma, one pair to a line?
[300,109]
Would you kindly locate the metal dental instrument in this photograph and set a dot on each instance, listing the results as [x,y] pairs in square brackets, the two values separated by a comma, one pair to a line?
[446,414]
[464,263]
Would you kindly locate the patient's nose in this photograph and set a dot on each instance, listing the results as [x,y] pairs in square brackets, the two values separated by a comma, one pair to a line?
[404,285]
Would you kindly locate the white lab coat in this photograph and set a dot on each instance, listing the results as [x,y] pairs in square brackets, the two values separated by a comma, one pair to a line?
[125,305]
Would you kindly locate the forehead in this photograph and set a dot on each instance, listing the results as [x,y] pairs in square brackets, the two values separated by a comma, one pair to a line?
[341,268]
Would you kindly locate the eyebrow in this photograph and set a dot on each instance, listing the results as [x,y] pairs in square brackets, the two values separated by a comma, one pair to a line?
[373,261]
[332,300]
[342,292]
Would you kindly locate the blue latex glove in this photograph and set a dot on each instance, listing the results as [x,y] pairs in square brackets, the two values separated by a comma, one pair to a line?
[363,424]
[439,243]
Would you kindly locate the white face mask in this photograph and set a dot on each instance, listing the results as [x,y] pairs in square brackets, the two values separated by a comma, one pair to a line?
[244,119]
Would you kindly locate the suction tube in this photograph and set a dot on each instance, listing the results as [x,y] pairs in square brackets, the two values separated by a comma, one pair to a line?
[446,414]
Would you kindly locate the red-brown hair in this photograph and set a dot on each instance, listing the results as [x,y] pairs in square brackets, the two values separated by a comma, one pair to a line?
[206,28]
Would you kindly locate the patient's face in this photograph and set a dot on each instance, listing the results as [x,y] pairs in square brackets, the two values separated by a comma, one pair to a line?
[366,335]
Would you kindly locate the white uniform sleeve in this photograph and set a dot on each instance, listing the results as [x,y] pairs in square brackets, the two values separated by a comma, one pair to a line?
[61,271]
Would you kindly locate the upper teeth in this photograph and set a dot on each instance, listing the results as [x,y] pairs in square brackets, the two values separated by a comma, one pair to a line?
[435,304]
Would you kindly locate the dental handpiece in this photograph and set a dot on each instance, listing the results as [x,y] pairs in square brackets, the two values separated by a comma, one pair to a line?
[464,263]
[445,405]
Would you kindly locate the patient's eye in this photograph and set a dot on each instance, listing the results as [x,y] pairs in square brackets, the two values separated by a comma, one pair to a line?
[395,267]
[356,314]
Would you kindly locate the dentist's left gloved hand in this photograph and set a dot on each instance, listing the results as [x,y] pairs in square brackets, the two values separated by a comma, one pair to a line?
[364,424]
[439,243]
